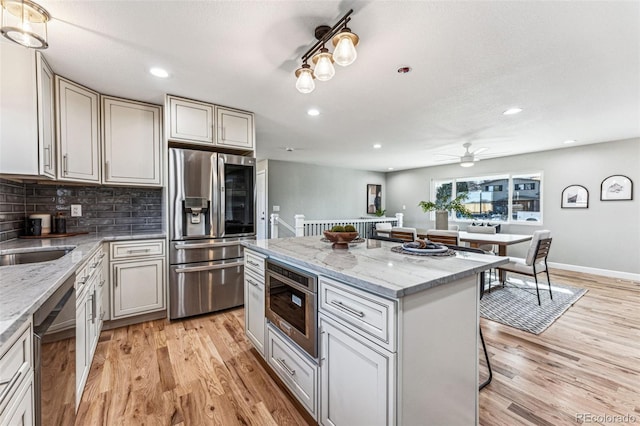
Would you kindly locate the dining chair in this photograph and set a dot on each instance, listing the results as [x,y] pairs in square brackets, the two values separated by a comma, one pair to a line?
[444,237]
[383,228]
[535,262]
[483,230]
[454,228]
[402,233]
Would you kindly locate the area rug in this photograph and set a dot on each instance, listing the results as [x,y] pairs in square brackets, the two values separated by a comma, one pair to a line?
[516,304]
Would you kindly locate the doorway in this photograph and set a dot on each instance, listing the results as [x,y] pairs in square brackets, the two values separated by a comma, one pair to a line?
[261,205]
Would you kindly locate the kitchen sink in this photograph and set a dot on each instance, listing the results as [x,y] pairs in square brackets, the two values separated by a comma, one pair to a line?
[32,256]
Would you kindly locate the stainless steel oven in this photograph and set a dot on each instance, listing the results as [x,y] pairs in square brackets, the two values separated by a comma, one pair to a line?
[291,303]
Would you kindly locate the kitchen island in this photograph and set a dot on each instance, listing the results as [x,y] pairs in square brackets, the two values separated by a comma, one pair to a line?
[398,333]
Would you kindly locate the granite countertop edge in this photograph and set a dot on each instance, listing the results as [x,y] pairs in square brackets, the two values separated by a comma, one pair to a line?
[378,289]
[24,288]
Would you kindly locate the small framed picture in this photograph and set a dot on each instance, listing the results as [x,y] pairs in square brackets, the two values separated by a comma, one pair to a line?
[575,197]
[374,198]
[616,188]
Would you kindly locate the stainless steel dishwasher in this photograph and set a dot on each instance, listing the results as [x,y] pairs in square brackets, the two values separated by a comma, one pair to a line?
[54,353]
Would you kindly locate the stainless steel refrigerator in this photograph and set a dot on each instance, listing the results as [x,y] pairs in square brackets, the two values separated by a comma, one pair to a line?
[212,209]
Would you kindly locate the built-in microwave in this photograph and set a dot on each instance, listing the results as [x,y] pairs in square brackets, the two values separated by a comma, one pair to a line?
[291,304]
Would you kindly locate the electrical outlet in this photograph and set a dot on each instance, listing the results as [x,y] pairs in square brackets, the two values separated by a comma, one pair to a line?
[76,210]
[404,207]
[276,208]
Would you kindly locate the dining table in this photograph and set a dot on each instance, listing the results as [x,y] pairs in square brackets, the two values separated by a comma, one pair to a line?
[501,240]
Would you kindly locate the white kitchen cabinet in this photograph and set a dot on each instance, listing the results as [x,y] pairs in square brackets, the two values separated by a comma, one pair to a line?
[26,113]
[78,143]
[357,378]
[190,121]
[235,128]
[138,283]
[254,319]
[131,141]
[16,377]
[82,342]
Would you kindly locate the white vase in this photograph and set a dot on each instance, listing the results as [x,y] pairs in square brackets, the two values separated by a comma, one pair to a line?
[442,220]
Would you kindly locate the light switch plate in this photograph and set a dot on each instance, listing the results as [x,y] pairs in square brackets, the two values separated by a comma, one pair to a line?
[76,210]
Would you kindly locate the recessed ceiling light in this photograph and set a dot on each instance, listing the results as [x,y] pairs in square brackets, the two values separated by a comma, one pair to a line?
[512,111]
[313,112]
[390,168]
[288,149]
[377,146]
[159,72]
[570,141]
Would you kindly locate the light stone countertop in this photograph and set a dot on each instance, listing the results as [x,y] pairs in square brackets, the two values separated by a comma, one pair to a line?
[24,288]
[372,265]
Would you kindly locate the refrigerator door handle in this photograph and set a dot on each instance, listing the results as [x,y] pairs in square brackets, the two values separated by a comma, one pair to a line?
[222,201]
[208,267]
[186,246]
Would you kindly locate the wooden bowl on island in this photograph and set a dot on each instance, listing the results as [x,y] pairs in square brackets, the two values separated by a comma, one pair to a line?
[340,240]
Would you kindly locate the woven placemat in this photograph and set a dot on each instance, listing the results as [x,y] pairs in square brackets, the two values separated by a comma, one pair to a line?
[401,250]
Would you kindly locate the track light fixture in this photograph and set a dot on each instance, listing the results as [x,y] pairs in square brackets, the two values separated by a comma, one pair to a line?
[25,22]
[344,53]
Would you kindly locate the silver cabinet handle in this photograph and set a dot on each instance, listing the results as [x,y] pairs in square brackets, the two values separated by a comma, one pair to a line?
[102,255]
[65,160]
[93,313]
[208,267]
[346,308]
[12,382]
[106,169]
[145,250]
[252,263]
[47,157]
[183,246]
[51,165]
[284,365]
[252,282]
[115,279]
[101,283]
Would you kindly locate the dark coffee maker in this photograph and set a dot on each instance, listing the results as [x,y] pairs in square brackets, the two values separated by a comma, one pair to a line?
[34,227]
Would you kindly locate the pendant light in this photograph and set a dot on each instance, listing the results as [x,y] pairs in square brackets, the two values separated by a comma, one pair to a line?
[344,54]
[345,43]
[305,83]
[25,22]
[324,70]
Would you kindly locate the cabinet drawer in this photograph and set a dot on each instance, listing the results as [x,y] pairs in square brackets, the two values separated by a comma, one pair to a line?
[297,372]
[15,364]
[129,249]
[373,316]
[254,262]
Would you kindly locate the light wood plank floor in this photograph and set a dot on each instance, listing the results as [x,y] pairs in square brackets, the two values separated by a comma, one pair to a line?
[202,371]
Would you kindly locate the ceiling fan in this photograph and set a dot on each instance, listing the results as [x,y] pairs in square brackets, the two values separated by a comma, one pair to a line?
[469,157]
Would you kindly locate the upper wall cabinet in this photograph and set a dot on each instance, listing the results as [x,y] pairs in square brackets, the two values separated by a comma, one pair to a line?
[206,124]
[131,141]
[190,121]
[235,128]
[78,132]
[26,113]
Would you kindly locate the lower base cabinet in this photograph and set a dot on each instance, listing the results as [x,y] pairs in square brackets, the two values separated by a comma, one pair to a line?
[254,310]
[138,287]
[357,379]
[298,373]
[21,411]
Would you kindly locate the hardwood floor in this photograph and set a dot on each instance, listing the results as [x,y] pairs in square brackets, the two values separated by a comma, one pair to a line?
[202,371]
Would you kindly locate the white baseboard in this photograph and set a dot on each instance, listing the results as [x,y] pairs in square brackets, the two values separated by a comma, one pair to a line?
[596,271]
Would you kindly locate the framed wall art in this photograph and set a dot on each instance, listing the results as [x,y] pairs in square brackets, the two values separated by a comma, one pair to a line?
[616,188]
[575,197]
[374,198]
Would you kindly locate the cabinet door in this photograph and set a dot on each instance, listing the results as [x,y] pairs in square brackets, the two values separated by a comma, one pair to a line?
[78,143]
[131,142]
[190,121]
[46,117]
[235,128]
[357,379]
[254,310]
[138,287]
[82,344]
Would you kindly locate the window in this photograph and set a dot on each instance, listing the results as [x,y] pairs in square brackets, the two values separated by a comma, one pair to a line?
[501,198]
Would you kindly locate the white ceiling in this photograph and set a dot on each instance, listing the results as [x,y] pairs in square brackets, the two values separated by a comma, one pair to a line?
[573,66]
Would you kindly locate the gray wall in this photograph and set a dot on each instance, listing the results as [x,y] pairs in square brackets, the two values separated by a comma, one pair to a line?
[605,236]
[319,192]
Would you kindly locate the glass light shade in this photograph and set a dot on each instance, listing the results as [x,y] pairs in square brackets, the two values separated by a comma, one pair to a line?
[25,22]
[466,163]
[345,44]
[305,83]
[324,70]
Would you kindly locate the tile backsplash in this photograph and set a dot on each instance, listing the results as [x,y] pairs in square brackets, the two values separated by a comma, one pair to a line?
[104,208]
[12,209]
